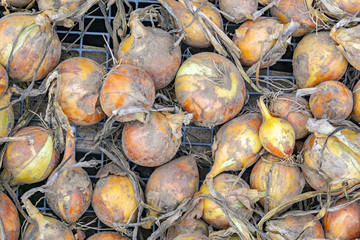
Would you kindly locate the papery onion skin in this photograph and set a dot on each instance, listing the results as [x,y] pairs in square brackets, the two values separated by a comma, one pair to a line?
[107,236]
[334,101]
[151,49]
[19,3]
[289,227]
[236,144]
[256,38]
[239,10]
[317,59]
[26,162]
[4,80]
[30,46]
[211,88]
[285,183]
[10,217]
[190,225]
[81,81]
[342,8]
[152,143]
[64,6]
[6,115]
[120,90]
[293,110]
[355,115]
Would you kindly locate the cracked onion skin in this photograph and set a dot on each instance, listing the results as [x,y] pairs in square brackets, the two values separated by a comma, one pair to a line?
[210,87]
[26,162]
[81,81]
[35,32]
[317,59]
[107,236]
[9,217]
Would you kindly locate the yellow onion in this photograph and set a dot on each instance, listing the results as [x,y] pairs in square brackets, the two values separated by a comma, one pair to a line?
[6,115]
[276,135]
[18,3]
[210,87]
[151,50]
[290,227]
[238,11]
[236,144]
[170,184]
[155,142]
[46,227]
[281,181]
[293,109]
[340,8]
[32,33]
[71,192]
[338,163]
[188,225]
[349,43]
[317,59]
[4,80]
[107,236]
[29,161]
[194,35]
[191,236]
[355,115]
[9,217]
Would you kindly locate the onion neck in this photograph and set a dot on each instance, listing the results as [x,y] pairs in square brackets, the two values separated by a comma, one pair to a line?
[69,148]
[264,110]
[33,212]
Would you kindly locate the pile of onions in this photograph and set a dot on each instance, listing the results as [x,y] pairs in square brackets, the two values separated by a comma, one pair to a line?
[9,218]
[238,11]
[281,181]
[79,90]
[125,87]
[32,33]
[210,87]
[29,160]
[153,143]
[236,144]
[317,59]
[107,236]
[170,184]
[151,50]
[188,225]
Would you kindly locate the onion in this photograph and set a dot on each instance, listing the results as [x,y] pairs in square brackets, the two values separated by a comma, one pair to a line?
[293,109]
[9,217]
[32,160]
[32,33]
[81,81]
[191,236]
[340,8]
[196,226]
[194,35]
[4,80]
[18,3]
[290,227]
[349,43]
[151,50]
[282,182]
[236,144]
[356,109]
[71,192]
[239,11]
[333,101]
[256,38]
[107,236]
[170,184]
[127,86]
[265,2]
[46,227]
[211,88]
[6,115]
[276,135]
[317,59]
[114,200]
[343,223]
[153,143]
[61,6]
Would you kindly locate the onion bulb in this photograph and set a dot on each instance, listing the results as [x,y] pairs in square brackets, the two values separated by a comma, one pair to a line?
[30,160]
[46,227]
[153,143]
[236,144]
[71,192]
[79,90]
[4,80]
[188,225]
[18,3]
[238,11]
[107,236]
[317,59]
[9,217]
[170,184]
[194,35]
[282,182]
[211,88]
[340,8]
[32,33]
[6,115]
[151,50]
[127,86]
[356,109]
[191,236]
[276,135]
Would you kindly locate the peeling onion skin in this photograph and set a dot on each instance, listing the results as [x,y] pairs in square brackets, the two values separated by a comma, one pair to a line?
[344,223]
[30,46]
[64,6]
[7,115]
[356,109]
[317,59]
[342,8]
[19,3]
[107,236]
[81,81]
[240,10]
[20,154]
[10,217]
[211,88]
